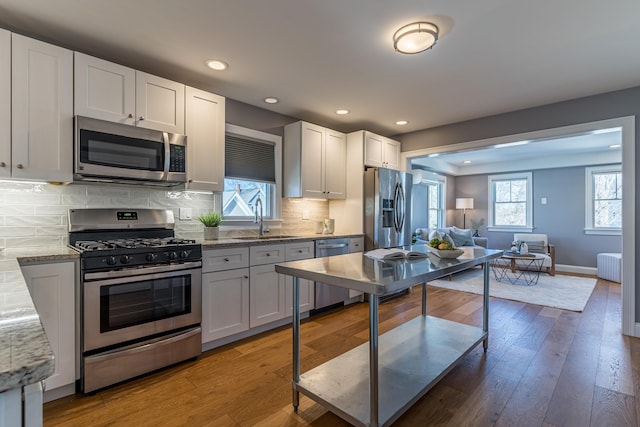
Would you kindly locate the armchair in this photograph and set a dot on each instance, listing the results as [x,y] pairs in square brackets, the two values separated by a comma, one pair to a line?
[539,244]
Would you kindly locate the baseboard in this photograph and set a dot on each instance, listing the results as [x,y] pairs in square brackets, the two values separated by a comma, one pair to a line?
[59,392]
[576,269]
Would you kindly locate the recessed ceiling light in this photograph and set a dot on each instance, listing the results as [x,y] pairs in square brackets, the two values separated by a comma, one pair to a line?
[342,112]
[615,146]
[466,162]
[402,122]
[216,64]
[434,155]
[271,100]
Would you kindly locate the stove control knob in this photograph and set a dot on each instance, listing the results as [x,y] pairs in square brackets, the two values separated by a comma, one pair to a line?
[152,257]
[125,259]
[184,253]
[111,260]
[173,255]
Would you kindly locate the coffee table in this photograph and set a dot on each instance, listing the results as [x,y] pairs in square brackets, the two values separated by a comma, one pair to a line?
[517,269]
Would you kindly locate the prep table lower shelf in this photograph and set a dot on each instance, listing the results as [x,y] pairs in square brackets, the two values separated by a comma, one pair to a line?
[413,358]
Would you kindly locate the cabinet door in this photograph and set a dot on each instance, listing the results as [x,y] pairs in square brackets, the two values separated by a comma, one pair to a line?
[104,90]
[312,162]
[373,150]
[391,154]
[52,288]
[205,140]
[159,103]
[335,155]
[5,103]
[266,295]
[306,295]
[225,303]
[42,110]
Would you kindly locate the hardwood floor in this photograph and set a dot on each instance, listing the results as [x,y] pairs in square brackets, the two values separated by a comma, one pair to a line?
[545,367]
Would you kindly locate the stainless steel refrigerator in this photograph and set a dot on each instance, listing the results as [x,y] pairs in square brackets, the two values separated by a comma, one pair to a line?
[387,208]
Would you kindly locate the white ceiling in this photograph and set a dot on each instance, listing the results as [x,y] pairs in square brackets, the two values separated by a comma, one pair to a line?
[316,56]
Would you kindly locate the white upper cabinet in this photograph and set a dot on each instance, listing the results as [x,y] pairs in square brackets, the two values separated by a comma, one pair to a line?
[104,90]
[5,103]
[159,103]
[108,91]
[380,151]
[314,162]
[42,110]
[205,115]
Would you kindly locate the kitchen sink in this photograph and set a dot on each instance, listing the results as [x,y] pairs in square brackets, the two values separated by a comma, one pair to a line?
[267,237]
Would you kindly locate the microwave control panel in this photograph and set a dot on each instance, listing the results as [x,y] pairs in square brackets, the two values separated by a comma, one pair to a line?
[177,158]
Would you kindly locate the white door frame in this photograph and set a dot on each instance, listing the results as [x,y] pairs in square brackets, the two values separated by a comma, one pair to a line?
[627,123]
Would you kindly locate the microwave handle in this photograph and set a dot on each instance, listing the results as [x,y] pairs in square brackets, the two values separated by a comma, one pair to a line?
[167,153]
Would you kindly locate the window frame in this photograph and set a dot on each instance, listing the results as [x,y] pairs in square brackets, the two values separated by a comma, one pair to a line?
[589,227]
[492,179]
[440,182]
[276,195]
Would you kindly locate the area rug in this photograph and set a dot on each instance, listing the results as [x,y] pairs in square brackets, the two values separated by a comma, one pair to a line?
[560,291]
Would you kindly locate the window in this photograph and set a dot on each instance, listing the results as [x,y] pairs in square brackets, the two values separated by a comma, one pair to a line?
[603,198]
[510,207]
[252,165]
[435,204]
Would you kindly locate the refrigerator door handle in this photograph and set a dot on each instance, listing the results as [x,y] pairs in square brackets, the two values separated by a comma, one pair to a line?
[399,208]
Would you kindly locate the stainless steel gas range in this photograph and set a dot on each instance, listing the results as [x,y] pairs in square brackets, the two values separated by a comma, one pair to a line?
[141,293]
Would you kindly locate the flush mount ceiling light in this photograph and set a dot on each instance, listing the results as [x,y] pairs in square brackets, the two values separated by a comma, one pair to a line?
[216,64]
[342,112]
[415,37]
[402,122]
[271,100]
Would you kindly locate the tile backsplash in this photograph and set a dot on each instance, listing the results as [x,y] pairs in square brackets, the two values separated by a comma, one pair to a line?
[35,215]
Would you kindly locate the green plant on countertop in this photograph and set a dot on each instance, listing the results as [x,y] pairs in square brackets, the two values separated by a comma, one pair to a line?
[475,225]
[212,219]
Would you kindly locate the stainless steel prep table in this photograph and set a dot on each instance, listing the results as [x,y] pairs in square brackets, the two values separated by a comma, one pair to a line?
[402,364]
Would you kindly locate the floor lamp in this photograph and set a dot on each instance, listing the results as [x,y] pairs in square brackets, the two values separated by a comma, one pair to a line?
[464,203]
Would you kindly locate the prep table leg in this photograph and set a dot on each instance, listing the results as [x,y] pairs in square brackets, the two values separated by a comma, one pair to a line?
[296,342]
[373,360]
[424,298]
[485,307]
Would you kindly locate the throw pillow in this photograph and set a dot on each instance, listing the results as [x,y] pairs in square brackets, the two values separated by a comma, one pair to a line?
[537,247]
[461,237]
[447,238]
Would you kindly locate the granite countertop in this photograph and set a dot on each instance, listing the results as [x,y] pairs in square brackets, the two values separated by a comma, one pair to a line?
[25,354]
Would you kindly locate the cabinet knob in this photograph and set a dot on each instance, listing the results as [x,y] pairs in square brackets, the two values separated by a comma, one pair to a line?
[141,118]
[19,166]
[268,254]
[299,251]
[130,116]
[246,277]
[226,260]
[2,164]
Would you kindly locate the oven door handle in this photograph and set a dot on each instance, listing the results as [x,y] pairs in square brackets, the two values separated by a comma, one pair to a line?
[136,272]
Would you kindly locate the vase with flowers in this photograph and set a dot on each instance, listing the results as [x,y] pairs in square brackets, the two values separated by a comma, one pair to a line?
[475,226]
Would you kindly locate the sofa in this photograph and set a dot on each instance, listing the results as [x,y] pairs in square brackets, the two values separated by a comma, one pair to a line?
[460,237]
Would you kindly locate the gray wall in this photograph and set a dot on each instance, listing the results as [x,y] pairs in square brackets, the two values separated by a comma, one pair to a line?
[562,218]
[582,110]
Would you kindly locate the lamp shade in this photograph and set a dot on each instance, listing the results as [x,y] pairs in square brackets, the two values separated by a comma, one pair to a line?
[464,203]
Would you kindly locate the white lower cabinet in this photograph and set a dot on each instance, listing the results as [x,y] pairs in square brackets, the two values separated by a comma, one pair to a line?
[225,292]
[266,287]
[225,303]
[52,288]
[306,293]
[356,244]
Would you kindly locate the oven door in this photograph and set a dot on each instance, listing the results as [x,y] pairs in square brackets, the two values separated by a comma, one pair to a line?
[156,300]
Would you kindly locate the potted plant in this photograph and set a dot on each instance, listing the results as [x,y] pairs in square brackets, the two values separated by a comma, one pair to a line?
[475,225]
[211,222]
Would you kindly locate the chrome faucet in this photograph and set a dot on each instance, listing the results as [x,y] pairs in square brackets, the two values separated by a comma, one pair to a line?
[258,219]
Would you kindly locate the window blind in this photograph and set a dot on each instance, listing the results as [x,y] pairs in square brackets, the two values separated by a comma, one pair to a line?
[249,159]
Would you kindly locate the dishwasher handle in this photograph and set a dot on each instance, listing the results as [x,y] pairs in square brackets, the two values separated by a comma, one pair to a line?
[333,245]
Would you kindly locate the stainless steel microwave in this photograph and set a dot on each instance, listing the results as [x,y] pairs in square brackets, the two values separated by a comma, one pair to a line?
[114,152]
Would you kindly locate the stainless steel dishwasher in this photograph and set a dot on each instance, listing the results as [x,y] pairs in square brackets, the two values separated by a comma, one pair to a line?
[328,295]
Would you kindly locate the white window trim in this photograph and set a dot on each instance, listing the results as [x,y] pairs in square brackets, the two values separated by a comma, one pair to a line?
[442,180]
[588,198]
[528,176]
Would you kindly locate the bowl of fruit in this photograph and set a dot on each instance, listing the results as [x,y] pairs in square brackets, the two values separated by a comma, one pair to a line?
[443,249]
